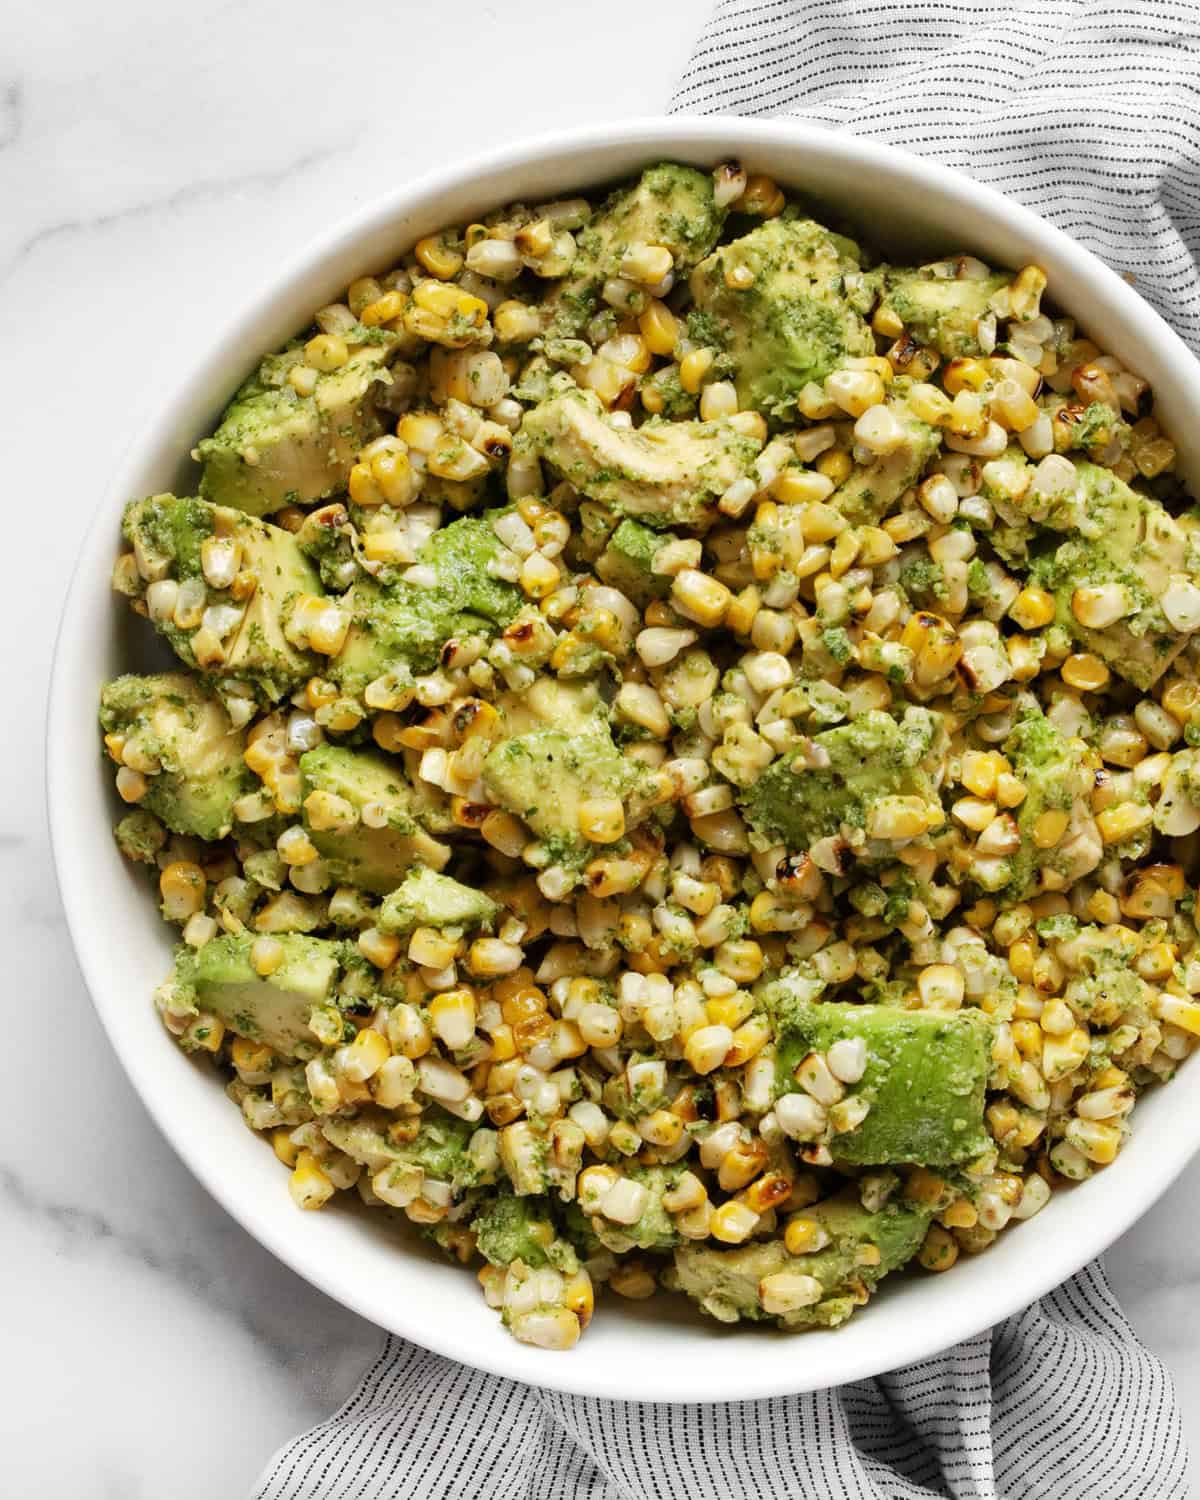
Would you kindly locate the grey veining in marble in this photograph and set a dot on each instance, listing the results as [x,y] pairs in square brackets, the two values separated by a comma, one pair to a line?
[155,163]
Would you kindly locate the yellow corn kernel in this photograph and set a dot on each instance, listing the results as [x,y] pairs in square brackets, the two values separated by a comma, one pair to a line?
[962,1214]
[923,1186]
[438,258]
[761,196]
[284,1147]
[700,597]
[490,957]
[659,327]
[835,465]
[365,1055]
[965,374]
[929,404]
[309,1186]
[1127,819]
[326,352]
[1176,1012]
[602,819]
[452,1016]
[693,367]
[1050,827]
[249,1056]
[1032,609]
[182,885]
[733,1223]
[1085,672]
[939,1249]
[802,1236]
[384,309]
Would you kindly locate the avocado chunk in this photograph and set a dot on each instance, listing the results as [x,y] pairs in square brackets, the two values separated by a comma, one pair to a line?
[664,473]
[874,756]
[168,535]
[405,625]
[940,311]
[543,777]
[510,1228]
[359,853]
[793,323]
[274,447]
[1128,539]
[669,205]
[726,1283]
[625,562]
[274,1009]
[427,899]
[873,489]
[1057,779]
[440,1150]
[654,1229]
[924,1081]
[174,719]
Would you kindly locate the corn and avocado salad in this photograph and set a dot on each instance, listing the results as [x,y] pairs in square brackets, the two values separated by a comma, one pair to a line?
[677,758]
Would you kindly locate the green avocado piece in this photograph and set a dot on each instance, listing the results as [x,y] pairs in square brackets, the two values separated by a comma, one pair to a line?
[173,717]
[510,1228]
[669,205]
[543,776]
[794,322]
[939,311]
[874,756]
[439,1149]
[1126,538]
[274,447]
[374,859]
[663,473]
[655,1230]
[405,625]
[925,1078]
[873,489]
[625,562]
[427,899]
[168,533]
[1053,771]
[274,1009]
[726,1282]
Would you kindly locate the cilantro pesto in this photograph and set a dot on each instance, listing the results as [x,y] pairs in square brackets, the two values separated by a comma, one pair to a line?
[682,758]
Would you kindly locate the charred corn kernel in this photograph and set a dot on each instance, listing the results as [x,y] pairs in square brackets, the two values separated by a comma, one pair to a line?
[602,819]
[438,258]
[693,367]
[182,885]
[700,597]
[452,1016]
[939,1249]
[326,352]
[761,196]
[1032,609]
[733,1223]
[1124,821]
[309,1186]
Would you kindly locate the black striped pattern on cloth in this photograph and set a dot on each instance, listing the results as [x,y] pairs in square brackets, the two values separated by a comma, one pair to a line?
[1087,111]
[1060,1403]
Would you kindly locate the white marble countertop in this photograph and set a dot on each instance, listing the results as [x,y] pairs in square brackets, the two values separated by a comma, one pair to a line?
[154,163]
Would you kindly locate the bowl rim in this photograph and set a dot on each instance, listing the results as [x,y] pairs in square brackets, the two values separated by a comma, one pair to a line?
[657,136]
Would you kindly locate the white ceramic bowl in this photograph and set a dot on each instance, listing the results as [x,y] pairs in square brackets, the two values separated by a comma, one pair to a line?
[659,1350]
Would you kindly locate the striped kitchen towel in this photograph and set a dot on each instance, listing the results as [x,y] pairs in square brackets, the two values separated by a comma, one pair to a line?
[1061,1403]
[1087,111]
